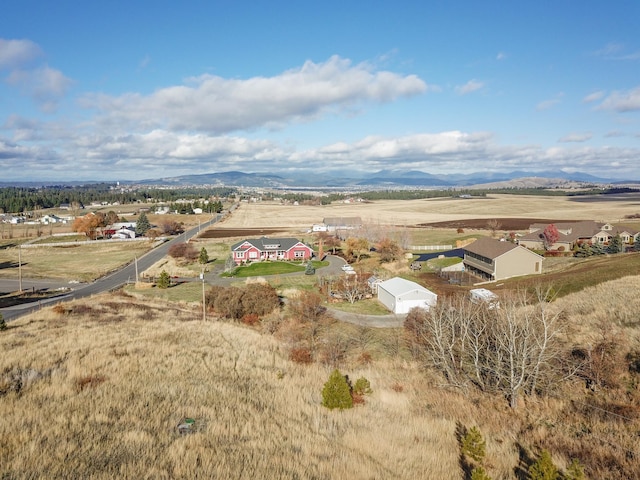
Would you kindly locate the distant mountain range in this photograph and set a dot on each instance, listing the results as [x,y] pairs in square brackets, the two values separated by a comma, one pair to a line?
[383,179]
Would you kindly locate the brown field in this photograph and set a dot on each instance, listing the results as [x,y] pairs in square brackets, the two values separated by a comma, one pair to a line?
[99,389]
[416,212]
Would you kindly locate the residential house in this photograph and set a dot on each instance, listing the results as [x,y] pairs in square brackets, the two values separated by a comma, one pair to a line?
[334,224]
[120,230]
[496,260]
[571,234]
[400,295]
[259,249]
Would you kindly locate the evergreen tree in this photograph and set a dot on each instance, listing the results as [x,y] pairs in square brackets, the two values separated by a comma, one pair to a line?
[3,323]
[203,258]
[142,225]
[479,473]
[164,280]
[336,393]
[615,245]
[473,445]
[543,468]
[229,264]
[310,269]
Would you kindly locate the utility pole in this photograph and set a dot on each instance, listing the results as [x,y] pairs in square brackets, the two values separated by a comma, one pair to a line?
[204,304]
[19,268]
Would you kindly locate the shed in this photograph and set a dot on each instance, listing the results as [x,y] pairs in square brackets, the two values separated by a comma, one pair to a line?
[400,295]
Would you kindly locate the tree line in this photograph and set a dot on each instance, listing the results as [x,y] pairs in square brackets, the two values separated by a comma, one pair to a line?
[28,199]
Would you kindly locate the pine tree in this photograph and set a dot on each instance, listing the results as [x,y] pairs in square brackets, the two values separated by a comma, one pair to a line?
[310,269]
[336,393]
[543,468]
[203,258]
[164,280]
[473,445]
[142,225]
[479,473]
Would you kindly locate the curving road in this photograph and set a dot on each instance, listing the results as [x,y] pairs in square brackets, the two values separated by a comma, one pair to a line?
[109,282]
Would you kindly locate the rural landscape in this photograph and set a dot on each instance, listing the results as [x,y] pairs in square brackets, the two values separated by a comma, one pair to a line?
[319,240]
[284,369]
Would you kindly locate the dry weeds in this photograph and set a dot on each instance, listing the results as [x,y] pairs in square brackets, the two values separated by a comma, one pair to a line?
[96,389]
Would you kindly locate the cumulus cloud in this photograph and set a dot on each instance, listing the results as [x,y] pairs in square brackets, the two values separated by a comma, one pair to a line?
[470,86]
[213,104]
[576,137]
[45,85]
[622,101]
[17,53]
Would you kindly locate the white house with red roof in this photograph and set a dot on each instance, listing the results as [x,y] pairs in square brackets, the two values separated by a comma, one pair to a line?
[260,249]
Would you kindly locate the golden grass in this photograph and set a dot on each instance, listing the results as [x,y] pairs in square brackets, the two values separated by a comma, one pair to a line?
[413,212]
[83,262]
[101,394]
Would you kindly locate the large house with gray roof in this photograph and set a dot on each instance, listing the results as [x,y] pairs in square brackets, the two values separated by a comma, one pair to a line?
[259,249]
[497,260]
[571,234]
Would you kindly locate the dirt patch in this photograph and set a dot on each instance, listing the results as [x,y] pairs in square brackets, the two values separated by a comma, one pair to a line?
[240,232]
[502,223]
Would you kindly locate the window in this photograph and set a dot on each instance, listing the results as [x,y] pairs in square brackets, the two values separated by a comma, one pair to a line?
[253,254]
[299,254]
[239,254]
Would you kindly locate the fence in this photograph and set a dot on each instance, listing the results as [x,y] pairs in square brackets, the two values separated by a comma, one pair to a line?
[431,247]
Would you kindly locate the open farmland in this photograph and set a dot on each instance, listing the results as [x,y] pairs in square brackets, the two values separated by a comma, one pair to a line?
[416,212]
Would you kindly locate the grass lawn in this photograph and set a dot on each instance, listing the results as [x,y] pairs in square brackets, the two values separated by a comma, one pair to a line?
[259,269]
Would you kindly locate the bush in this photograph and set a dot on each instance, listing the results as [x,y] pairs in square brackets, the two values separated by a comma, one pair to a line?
[336,393]
[301,355]
[164,280]
[479,473]
[183,250]
[543,468]
[575,471]
[362,387]
[473,445]
[3,323]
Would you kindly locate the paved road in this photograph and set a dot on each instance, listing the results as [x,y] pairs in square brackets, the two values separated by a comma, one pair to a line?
[109,282]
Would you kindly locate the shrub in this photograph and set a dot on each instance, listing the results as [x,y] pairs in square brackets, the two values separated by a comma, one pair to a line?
[183,250]
[362,387]
[164,280]
[479,473]
[301,355]
[473,445]
[250,319]
[543,468]
[3,323]
[336,392]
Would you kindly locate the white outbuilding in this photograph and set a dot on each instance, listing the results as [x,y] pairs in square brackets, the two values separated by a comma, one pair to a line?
[400,295]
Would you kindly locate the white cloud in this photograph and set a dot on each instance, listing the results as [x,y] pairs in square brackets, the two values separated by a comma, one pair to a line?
[45,85]
[501,56]
[622,101]
[593,97]
[470,86]
[576,137]
[550,103]
[214,104]
[17,53]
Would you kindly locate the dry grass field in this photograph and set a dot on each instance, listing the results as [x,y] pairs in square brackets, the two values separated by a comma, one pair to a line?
[97,390]
[415,212]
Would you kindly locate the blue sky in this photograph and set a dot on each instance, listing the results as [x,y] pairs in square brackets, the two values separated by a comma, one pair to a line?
[134,90]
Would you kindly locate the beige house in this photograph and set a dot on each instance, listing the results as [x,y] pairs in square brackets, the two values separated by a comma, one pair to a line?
[496,260]
[574,233]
